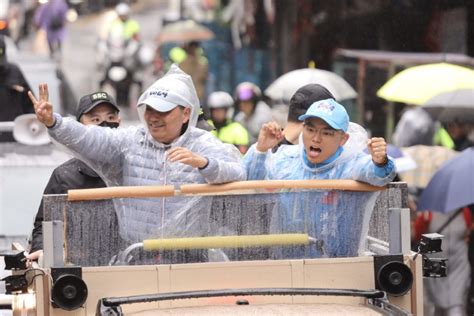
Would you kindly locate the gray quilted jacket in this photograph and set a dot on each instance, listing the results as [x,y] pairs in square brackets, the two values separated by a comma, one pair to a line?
[130,157]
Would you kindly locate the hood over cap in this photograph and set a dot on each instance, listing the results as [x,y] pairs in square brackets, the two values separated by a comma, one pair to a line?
[173,89]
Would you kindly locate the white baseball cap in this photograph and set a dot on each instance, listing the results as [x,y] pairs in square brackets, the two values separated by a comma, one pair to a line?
[173,89]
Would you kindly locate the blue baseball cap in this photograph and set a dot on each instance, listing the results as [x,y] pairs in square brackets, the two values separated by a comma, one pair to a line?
[329,111]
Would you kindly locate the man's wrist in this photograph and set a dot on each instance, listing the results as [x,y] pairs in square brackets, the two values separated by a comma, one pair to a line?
[51,125]
[260,149]
[204,163]
[381,164]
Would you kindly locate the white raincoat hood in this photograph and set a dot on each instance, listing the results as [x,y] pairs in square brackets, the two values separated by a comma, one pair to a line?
[173,89]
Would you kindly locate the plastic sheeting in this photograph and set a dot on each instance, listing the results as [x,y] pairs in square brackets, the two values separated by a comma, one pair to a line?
[131,157]
[92,237]
[338,219]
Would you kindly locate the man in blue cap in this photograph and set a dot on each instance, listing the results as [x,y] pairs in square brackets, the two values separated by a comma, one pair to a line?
[335,217]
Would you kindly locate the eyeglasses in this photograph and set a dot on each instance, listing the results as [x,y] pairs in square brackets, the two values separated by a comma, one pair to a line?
[324,133]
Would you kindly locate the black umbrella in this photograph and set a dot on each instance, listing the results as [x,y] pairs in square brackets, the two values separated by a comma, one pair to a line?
[453,105]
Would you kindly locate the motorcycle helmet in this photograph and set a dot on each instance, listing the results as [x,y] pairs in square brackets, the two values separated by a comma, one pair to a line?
[122,9]
[219,99]
[247,91]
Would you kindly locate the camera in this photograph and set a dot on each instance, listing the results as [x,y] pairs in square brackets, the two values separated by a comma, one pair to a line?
[434,267]
[430,243]
[14,260]
[15,284]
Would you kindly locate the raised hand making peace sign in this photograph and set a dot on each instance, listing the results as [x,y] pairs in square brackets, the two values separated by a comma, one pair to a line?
[43,108]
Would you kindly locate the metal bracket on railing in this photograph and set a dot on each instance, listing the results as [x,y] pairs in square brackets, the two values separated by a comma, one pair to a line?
[124,257]
[399,230]
[53,244]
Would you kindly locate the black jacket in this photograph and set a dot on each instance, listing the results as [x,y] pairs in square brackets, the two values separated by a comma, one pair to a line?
[284,141]
[14,100]
[73,174]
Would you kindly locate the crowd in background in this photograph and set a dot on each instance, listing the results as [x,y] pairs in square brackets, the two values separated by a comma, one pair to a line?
[237,118]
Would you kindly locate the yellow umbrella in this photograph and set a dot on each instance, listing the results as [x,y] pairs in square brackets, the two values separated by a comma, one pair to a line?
[185,31]
[418,84]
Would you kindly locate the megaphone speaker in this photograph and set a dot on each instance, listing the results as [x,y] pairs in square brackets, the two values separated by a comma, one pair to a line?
[392,275]
[69,291]
[28,130]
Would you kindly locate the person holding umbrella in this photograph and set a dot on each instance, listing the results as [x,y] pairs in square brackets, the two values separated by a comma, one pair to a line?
[462,134]
[450,197]
[196,65]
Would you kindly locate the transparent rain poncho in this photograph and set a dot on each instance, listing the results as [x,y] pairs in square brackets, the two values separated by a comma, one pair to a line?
[131,157]
[339,219]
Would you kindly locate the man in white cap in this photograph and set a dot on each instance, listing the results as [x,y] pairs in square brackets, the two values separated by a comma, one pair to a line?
[168,150]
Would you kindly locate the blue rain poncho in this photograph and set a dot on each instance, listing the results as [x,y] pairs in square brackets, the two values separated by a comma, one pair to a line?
[131,157]
[338,218]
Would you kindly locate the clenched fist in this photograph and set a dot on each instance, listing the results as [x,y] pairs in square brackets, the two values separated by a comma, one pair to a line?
[378,150]
[270,135]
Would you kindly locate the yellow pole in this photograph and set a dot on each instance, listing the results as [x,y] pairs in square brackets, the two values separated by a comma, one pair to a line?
[225,242]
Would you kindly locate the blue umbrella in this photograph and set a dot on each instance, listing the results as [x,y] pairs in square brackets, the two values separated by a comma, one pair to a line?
[452,186]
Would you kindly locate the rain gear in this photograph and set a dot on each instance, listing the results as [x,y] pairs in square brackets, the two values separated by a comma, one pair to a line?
[132,157]
[231,133]
[125,30]
[338,218]
[51,17]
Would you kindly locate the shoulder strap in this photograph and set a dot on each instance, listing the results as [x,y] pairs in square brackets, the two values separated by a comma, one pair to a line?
[449,220]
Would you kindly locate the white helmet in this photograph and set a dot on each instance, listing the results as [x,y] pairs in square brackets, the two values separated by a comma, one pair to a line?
[219,99]
[122,9]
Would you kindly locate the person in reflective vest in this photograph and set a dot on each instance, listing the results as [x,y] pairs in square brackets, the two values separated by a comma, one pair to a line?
[227,130]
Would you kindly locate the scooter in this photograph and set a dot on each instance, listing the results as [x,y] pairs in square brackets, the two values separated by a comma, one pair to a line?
[12,19]
[122,63]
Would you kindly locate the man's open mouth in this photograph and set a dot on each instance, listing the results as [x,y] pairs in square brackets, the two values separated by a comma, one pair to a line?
[314,151]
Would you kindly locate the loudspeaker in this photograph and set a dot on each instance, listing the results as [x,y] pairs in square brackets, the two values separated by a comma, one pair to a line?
[392,275]
[28,130]
[69,291]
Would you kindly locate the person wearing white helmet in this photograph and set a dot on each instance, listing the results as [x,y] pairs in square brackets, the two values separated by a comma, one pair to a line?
[167,150]
[122,10]
[227,130]
[124,26]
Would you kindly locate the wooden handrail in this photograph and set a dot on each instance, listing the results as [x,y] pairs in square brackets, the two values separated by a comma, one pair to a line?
[232,188]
